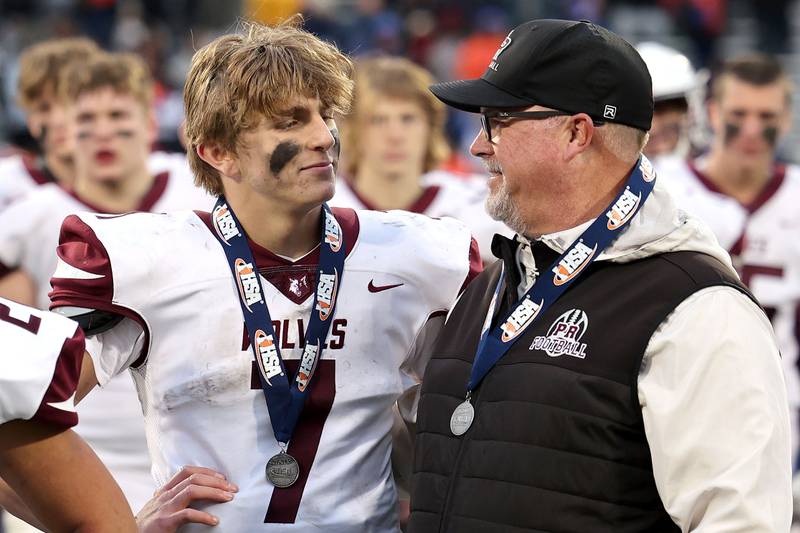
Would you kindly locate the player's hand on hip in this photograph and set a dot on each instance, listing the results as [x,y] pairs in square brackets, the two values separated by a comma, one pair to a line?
[168,509]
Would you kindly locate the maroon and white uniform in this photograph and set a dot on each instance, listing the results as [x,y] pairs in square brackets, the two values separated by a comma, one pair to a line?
[444,195]
[111,419]
[22,173]
[186,344]
[763,239]
[40,365]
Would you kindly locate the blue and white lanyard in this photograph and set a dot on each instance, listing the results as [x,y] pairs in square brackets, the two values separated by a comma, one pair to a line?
[284,400]
[552,283]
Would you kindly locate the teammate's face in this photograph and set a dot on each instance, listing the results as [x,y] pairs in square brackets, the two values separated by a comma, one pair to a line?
[749,120]
[113,135]
[48,123]
[522,164]
[666,132]
[290,158]
[394,136]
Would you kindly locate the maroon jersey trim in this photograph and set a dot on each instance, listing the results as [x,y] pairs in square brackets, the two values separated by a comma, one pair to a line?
[63,383]
[36,170]
[475,264]
[420,205]
[282,272]
[80,247]
[153,195]
[769,190]
[5,270]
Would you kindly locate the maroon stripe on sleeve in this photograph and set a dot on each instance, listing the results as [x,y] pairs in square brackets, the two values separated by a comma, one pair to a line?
[63,384]
[79,247]
[5,270]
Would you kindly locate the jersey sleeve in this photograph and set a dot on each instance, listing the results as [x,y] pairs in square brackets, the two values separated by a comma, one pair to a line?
[475,264]
[84,282]
[468,262]
[40,366]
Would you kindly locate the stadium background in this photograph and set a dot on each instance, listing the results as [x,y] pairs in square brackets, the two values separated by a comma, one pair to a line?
[452,38]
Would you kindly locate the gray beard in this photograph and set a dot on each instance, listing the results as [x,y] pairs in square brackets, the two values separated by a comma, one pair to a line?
[500,207]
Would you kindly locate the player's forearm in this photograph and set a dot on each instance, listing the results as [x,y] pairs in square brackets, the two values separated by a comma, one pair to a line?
[17,285]
[11,502]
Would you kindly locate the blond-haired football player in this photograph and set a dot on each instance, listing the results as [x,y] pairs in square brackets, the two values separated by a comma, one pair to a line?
[395,146]
[40,73]
[271,338]
[109,98]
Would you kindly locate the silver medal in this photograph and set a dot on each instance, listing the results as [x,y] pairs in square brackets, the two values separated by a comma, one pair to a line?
[462,418]
[282,470]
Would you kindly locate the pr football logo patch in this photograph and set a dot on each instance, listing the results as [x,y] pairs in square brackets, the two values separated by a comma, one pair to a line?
[564,336]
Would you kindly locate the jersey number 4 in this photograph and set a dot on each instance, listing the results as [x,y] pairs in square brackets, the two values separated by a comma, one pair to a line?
[284,504]
[32,324]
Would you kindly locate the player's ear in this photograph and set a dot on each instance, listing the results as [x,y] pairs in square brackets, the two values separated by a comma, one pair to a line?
[219,158]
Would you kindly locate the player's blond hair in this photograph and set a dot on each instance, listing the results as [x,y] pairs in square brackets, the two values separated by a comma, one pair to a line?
[239,79]
[41,67]
[122,72]
[394,77]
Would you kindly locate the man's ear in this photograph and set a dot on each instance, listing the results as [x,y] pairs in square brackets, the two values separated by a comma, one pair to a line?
[219,158]
[579,135]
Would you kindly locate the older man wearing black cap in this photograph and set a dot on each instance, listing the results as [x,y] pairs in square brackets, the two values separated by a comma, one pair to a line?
[610,373]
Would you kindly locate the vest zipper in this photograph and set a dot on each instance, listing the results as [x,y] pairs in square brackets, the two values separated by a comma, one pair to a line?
[449,498]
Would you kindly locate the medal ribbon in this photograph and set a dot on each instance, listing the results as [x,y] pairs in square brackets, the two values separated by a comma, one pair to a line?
[285,400]
[552,283]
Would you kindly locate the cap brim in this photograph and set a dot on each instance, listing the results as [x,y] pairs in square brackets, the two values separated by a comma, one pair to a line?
[472,95]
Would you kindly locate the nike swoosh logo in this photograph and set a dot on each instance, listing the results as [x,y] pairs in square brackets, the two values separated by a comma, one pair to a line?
[378,288]
[67,405]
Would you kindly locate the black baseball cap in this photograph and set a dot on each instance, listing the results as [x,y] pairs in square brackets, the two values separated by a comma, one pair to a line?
[571,66]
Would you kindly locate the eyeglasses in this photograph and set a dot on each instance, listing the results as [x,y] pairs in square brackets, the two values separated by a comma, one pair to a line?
[488,117]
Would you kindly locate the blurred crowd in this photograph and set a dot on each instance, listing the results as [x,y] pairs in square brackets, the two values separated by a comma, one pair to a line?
[451,38]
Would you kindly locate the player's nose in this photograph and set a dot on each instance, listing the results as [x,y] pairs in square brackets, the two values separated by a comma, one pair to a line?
[321,137]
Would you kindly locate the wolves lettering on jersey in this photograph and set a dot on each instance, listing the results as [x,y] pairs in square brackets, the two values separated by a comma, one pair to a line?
[762,238]
[291,334]
[444,195]
[197,397]
[40,365]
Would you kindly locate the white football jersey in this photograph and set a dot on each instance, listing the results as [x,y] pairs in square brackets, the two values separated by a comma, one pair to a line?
[40,365]
[20,174]
[764,242]
[29,231]
[444,195]
[194,369]
[175,163]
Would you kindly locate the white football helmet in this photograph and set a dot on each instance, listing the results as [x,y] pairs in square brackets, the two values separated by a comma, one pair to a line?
[672,72]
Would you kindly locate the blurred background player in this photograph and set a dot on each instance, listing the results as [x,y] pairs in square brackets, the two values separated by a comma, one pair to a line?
[40,71]
[394,145]
[108,99]
[56,475]
[675,90]
[749,199]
